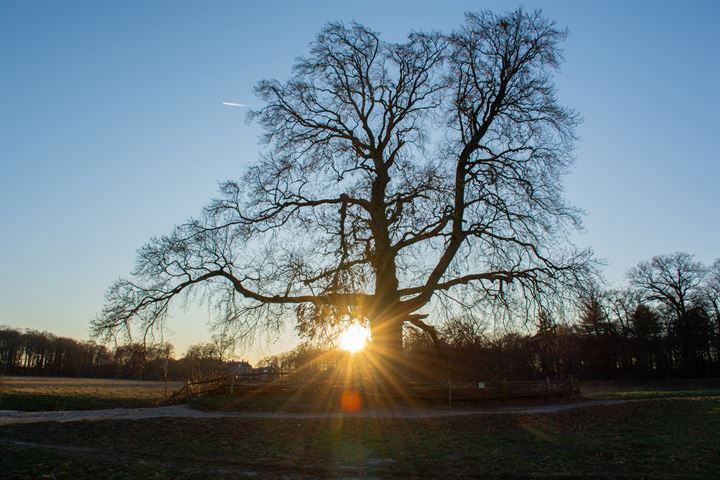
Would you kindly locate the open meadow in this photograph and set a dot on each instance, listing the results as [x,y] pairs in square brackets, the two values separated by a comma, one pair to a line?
[51,393]
[672,432]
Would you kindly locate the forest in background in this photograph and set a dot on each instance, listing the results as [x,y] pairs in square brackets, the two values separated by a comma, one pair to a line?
[29,352]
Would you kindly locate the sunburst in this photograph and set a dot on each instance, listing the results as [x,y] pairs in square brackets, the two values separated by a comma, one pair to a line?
[353,338]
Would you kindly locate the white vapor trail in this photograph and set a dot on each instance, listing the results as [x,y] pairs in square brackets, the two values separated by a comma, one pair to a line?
[232,104]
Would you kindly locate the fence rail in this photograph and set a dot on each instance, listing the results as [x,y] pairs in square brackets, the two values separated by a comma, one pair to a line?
[422,391]
[226,383]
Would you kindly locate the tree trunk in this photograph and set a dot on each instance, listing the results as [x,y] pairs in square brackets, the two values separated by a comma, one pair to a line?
[387,356]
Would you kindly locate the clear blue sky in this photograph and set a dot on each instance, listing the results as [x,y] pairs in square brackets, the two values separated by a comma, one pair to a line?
[112,130]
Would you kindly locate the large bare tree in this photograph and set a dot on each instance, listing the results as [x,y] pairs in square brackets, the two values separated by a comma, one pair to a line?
[672,281]
[395,175]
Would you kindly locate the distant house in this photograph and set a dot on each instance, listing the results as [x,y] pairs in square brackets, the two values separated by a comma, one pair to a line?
[239,368]
[265,370]
[247,373]
[265,374]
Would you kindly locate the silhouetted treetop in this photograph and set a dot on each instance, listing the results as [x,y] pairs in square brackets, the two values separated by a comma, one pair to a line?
[672,280]
[393,174]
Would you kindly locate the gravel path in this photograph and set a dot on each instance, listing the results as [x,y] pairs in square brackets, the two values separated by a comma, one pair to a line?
[9,417]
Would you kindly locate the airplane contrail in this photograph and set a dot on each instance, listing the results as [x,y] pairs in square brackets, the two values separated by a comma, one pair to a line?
[232,104]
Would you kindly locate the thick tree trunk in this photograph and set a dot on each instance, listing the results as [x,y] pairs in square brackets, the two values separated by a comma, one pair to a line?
[387,356]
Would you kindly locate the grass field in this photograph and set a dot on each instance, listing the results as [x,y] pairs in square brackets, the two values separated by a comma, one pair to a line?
[49,393]
[651,439]
[674,432]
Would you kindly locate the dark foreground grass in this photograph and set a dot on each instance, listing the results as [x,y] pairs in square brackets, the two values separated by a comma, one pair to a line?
[33,402]
[678,438]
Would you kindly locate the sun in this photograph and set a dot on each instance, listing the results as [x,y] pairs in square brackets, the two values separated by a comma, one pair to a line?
[353,338]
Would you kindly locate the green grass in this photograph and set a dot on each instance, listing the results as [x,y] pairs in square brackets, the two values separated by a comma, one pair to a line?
[657,394]
[595,389]
[678,438]
[653,389]
[673,433]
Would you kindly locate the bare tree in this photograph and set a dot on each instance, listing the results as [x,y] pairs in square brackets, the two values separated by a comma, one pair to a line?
[711,289]
[670,280]
[711,297]
[395,175]
[674,282]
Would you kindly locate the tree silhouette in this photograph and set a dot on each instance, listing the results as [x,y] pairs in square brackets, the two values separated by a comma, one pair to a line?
[646,331]
[394,175]
[671,280]
[593,319]
[675,283]
[711,296]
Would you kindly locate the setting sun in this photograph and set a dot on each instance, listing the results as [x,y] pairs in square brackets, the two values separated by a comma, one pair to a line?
[353,338]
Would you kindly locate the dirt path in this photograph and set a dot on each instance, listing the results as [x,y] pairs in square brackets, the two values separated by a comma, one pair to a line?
[9,417]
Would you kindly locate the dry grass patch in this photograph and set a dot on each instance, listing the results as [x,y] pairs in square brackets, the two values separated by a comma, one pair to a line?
[49,393]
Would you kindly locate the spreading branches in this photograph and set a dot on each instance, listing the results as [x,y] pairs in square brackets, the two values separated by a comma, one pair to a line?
[670,280]
[395,176]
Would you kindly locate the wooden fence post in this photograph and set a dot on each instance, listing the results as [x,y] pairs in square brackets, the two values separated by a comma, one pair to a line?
[449,391]
[505,389]
[547,387]
[232,385]
[187,387]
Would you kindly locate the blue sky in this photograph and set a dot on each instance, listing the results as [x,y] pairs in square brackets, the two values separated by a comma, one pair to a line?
[112,130]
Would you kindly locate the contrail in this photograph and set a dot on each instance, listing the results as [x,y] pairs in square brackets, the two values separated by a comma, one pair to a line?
[231,104]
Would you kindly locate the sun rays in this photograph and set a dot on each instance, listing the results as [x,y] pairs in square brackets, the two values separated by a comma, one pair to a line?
[353,338]
[352,377]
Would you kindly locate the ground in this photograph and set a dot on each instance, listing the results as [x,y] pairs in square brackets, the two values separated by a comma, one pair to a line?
[673,432]
[52,393]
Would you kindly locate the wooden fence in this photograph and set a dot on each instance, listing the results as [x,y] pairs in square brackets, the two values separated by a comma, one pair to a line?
[513,389]
[503,390]
[421,391]
[226,384]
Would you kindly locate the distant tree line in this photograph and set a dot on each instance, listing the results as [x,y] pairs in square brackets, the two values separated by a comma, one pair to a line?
[310,359]
[36,353]
[666,323]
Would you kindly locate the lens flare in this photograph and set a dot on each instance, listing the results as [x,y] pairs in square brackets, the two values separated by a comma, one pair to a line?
[350,401]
